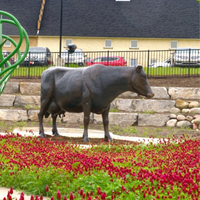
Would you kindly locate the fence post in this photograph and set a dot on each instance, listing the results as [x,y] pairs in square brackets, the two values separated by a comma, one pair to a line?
[189,65]
[148,64]
[108,58]
[29,59]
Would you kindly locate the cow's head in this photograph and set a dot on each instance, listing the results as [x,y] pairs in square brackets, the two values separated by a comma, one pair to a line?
[140,84]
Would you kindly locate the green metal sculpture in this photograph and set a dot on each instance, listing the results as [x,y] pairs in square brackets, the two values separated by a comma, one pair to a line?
[5,73]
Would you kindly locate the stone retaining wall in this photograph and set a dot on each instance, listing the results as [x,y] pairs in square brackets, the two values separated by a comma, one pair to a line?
[21,102]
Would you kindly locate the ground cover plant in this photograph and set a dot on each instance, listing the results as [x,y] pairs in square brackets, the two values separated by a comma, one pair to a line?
[167,170]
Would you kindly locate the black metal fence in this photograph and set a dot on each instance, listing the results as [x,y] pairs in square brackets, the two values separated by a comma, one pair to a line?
[157,63]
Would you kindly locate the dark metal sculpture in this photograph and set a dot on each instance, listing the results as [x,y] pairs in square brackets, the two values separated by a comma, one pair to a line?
[88,89]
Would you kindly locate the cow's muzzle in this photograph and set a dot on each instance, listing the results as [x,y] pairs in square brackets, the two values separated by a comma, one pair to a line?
[150,95]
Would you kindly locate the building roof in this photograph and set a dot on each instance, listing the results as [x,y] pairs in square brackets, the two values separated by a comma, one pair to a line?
[109,18]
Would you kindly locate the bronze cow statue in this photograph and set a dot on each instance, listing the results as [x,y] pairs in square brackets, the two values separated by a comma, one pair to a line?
[87,89]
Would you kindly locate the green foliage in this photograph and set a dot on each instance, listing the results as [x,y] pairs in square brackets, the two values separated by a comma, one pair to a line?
[148,112]
[114,110]
[121,130]
[27,107]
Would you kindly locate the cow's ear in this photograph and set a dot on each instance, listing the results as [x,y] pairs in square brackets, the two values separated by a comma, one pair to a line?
[138,68]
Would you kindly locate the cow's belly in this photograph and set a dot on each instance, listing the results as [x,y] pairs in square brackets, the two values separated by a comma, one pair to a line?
[99,106]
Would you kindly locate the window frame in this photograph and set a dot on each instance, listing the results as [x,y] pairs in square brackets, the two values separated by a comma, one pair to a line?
[132,46]
[66,45]
[173,41]
[108,47]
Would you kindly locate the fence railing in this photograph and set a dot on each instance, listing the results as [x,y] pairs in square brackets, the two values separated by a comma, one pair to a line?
[157,63]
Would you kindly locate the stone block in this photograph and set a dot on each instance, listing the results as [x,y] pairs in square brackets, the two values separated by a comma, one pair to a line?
[152,119]
[184,93]
[11,88]
[27,88]
[75,118]
[31,101]
[122,119]
[160,93]
[149,105]
[128,95]
[13,115]
[7,100]
[33,116]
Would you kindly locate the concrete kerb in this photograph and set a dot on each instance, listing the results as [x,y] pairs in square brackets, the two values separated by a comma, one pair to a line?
[74,132]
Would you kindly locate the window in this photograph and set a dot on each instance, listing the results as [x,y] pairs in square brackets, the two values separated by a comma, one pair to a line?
[153,61]
[174,45]
[68,41]
[134,44]
[133,62]
[108,43]
[7,44]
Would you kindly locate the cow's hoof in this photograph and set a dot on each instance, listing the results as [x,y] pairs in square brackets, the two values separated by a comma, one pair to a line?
[42,135]
[108,139]
[86,140]
[56,134]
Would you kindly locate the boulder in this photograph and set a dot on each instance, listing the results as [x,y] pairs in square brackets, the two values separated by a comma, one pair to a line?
[171,122]
[189,118]
[196,121]
[185,110]
[194,104]
[180,117]
[172,116]
[184,124]
[181,104]
[195,110]
[174,110]
[196,116]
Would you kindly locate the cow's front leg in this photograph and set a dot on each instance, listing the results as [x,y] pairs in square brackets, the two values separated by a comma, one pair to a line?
[54,127]
[105,124]
[86,120]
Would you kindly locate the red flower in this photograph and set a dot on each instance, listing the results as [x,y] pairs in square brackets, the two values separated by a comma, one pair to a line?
[11,190]
[52,198]
[71,196]
[47,188]
[58,195]
[32,197]
[41,197]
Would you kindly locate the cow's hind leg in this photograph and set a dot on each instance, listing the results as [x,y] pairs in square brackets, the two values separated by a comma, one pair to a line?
[54,128]
[43,109]
[105,124]
[86,120]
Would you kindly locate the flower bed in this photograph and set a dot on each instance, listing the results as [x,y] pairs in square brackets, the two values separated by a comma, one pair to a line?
[168,170]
